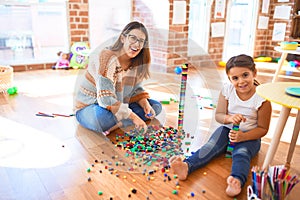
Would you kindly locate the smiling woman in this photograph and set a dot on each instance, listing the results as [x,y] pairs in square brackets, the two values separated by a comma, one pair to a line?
[110,94]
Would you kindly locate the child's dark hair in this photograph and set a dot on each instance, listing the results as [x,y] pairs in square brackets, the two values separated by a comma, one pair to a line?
[241,60]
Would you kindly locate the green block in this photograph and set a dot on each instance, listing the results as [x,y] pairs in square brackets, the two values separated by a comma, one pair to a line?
[165,102]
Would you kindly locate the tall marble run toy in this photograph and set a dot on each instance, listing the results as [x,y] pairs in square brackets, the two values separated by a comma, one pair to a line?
[184,71]
[231,145]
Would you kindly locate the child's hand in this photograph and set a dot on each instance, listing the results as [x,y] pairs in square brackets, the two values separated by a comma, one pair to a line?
[237,118]
[236,136]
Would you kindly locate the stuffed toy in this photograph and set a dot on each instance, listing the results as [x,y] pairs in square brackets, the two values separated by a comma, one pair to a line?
[63,61]
[79,55]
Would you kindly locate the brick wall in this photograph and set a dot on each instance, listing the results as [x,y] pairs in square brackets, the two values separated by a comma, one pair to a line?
[174,51]
[158,44]
[215,45]
[269,44]
[78,21]
[168,54]
[177,45]
[178,39]
[263,38]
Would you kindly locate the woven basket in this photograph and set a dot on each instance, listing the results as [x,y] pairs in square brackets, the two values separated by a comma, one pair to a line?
[6,78]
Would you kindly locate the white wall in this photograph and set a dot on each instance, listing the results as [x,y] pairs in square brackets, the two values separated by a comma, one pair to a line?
[107,19]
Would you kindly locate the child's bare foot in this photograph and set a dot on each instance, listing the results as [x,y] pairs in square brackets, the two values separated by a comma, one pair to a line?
[179,167]
[172,159]
[234,186]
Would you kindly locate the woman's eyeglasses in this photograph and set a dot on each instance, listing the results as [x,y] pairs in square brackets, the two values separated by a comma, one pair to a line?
[133,39]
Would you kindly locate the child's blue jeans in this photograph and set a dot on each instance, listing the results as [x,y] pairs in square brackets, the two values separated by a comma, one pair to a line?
[242,154]
[99,119]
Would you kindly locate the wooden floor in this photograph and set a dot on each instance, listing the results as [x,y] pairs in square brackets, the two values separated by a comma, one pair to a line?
[49,158]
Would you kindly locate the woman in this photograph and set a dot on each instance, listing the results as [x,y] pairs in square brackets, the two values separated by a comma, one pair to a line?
[110,95]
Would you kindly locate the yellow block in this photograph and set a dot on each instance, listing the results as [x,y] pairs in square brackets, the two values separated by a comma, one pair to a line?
[222,64]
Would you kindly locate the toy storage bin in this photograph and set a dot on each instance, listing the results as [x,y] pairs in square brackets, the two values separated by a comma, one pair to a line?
[289,45]
[6,77]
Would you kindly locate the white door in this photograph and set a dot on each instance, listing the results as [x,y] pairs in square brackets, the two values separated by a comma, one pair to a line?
[106,20]
[240,27]
[199,21]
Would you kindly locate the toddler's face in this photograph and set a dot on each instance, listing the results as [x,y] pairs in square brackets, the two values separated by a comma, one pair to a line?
[64,56]
[242,78]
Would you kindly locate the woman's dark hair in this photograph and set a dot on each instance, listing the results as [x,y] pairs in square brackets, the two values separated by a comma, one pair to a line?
[143,59]
[241,60]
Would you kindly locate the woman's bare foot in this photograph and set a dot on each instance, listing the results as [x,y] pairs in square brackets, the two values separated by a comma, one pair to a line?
[179,167]
[234,186]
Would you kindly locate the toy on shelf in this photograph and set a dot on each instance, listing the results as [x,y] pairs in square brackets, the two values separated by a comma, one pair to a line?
[289,45]
[63,61]
[263,59]
[80,52]
[294,63]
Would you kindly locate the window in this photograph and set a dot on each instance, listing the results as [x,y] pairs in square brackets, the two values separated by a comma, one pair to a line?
[241,18]
[199,21]
[32,31]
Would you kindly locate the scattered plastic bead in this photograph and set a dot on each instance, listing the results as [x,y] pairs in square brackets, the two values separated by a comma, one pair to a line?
[174,192]
[178,70]
[134,191]
[12,90]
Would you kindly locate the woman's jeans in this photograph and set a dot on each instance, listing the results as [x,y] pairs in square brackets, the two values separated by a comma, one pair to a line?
[99,119]
[242,154]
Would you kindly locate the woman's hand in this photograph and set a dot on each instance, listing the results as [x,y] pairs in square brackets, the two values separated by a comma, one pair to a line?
[149,112]
[138,122]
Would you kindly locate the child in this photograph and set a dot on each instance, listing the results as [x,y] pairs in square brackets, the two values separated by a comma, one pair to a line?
[238,104]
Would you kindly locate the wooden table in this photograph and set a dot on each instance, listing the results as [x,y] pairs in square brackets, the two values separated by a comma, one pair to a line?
[275,92]
[284,54]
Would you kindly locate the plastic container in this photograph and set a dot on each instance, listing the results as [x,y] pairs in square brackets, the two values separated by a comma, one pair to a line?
[289,45]
[6,77]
